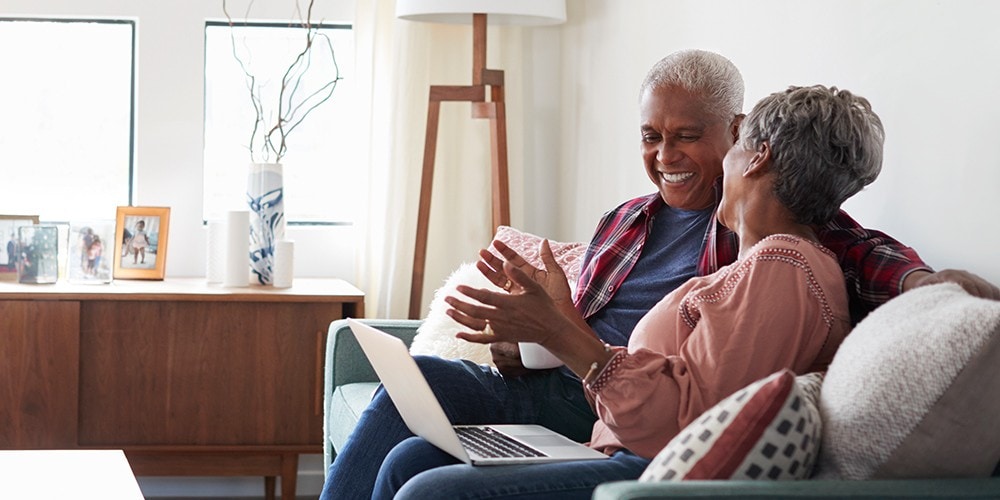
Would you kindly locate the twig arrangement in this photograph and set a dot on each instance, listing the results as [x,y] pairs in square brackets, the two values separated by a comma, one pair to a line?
[269,137]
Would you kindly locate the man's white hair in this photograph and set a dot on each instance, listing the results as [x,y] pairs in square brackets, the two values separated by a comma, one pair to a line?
[703,73]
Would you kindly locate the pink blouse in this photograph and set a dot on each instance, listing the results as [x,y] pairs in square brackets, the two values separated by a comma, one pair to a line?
[782,306]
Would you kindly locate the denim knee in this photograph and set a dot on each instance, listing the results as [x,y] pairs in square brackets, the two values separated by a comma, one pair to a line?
[406,460]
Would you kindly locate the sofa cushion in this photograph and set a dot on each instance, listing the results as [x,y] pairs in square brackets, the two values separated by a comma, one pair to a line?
[346,405]
[569,255]
[914,390]
[436,335]
[768,430]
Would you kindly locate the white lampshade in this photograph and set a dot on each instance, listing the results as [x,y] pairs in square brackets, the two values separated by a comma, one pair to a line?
[519,12]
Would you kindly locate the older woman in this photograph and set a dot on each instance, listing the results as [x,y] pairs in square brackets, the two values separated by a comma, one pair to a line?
[782,304]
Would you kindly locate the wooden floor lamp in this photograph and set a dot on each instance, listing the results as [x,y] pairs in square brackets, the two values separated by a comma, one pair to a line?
[525,12]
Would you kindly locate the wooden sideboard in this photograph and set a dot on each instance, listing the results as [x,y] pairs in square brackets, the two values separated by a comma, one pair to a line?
[187,378]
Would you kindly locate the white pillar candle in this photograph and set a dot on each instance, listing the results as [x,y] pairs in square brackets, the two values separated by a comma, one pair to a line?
[237,249]
[284,267]
[215,254]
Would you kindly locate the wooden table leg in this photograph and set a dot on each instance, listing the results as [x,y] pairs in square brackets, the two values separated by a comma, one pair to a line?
[269,487]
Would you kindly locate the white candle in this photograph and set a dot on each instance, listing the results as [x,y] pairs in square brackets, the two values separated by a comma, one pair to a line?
[215,255]
[284,268]
[237,249]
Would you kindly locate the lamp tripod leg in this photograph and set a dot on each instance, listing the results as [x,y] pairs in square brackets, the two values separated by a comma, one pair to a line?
[424,208]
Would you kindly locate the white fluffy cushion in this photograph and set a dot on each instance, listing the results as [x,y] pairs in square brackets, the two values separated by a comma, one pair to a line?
[436,336]
[770,429]
[914,390]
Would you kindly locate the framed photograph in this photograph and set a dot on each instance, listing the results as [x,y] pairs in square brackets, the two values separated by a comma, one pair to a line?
[141,242]
[38,254]
[90,251]
[9,248]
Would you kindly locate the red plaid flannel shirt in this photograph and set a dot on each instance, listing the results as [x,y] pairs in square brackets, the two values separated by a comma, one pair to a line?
[874,264]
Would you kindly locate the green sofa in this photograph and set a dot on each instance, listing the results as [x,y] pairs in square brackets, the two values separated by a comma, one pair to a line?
[350,381]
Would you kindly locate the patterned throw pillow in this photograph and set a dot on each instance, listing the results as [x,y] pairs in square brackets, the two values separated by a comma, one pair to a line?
[767,430]
[568,255]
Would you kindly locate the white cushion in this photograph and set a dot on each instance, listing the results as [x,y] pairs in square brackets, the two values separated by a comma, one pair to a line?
[914,390]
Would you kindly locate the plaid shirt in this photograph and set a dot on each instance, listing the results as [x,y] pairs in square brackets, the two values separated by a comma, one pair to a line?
[874,264]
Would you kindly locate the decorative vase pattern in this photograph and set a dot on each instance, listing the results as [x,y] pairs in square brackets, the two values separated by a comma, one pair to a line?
[266,198]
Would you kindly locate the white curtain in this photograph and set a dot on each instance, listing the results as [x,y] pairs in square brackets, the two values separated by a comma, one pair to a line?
[397,62]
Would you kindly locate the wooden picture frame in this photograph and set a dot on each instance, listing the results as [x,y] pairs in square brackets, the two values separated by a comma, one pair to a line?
[141,242]
[10,245]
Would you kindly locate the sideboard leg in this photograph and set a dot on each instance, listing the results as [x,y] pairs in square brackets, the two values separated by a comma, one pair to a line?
[269,487]
[289,474]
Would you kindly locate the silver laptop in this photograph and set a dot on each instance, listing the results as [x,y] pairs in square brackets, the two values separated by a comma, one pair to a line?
[472,444]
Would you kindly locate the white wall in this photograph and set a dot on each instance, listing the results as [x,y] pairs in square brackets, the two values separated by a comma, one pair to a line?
[929,68]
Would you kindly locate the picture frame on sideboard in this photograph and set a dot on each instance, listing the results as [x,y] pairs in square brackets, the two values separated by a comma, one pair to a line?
[9,247]
[90,248]
[141,242]
[38,254]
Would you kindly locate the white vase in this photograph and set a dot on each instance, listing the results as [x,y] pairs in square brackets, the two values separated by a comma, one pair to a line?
[266,198]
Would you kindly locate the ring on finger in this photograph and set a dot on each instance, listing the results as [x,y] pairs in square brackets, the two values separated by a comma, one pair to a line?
[506,286]
[488,330]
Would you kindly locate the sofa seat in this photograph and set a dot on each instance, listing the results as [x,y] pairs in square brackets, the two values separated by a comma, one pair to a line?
[348,401]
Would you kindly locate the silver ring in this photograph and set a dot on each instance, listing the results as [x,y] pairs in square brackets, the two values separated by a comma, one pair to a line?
[488,330]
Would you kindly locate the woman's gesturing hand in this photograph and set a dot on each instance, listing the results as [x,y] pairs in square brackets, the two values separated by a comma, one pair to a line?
[552,278]
[528,313]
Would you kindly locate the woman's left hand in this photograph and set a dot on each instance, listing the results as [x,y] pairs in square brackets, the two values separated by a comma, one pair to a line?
[527,314]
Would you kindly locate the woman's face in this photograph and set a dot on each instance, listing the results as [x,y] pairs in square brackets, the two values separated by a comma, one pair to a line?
[733,185]
[683,145]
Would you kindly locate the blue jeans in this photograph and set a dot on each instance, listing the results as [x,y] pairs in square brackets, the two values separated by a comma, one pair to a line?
[416,469]
[469,394]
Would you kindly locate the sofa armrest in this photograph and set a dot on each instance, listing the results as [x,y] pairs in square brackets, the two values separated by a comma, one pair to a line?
[806,489]
[346,363]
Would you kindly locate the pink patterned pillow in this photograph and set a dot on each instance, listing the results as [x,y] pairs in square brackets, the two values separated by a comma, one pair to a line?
[568,255]
[768,430]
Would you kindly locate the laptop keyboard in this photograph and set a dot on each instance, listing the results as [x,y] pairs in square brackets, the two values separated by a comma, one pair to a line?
[491,444]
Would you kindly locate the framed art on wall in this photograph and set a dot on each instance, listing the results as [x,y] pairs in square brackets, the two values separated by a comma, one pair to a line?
[10,247]
[141,242]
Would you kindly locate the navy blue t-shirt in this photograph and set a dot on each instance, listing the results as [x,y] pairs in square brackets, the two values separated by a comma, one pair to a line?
[668,259]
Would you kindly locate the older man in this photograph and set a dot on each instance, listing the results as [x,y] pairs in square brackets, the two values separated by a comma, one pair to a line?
[691,108]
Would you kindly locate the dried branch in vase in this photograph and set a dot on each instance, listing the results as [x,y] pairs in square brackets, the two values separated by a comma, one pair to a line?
[297,95]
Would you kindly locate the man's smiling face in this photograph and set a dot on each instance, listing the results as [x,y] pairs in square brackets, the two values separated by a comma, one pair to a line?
[683,145]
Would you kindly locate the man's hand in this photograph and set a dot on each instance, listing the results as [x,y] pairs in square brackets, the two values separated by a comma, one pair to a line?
[970,282]
[507,358]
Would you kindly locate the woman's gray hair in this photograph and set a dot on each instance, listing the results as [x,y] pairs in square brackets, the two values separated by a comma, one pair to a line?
[703,73]
[826,144]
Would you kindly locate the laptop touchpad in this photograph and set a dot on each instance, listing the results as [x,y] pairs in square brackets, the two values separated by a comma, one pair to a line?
[548,441]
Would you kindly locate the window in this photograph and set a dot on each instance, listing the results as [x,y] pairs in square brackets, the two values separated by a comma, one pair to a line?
[66,98]
[322,176]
